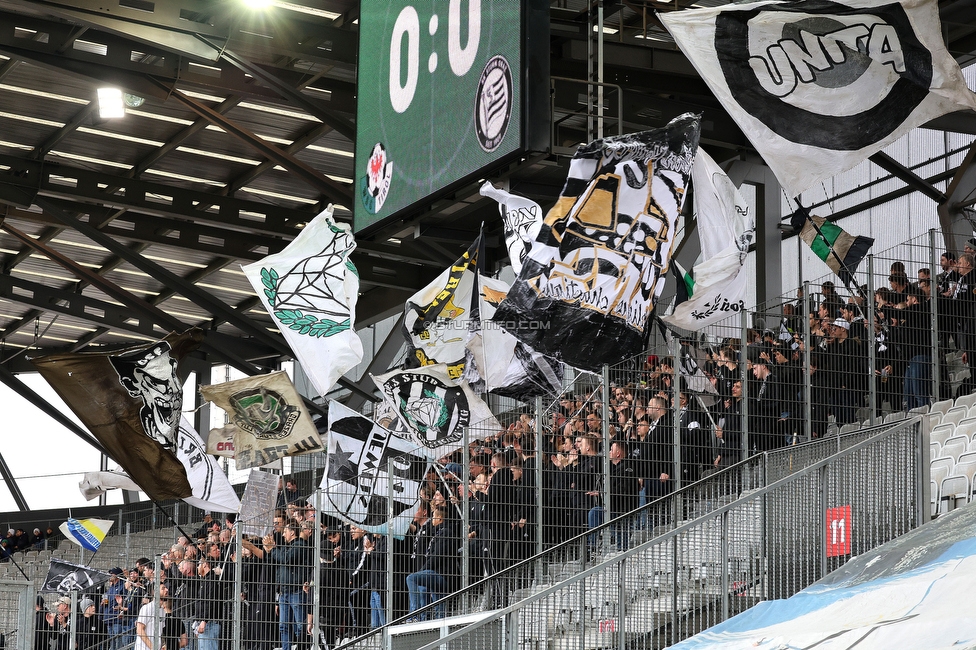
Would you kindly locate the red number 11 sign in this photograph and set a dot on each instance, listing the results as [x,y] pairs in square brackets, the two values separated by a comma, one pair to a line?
[838,531]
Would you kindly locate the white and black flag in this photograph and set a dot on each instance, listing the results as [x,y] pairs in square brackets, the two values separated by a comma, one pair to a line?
[818,86]
[65,577]
[367,464]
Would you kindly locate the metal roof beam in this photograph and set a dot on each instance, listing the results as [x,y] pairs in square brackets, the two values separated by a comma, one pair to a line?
[913,180]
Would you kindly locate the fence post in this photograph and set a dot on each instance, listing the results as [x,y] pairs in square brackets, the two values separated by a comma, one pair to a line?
[744,378]
[605,447]
[157,619]
[726,567]
[128,543]
[239,580]
[807,353]
[676,411]
[390,579]
[934,291]
[539,462]
[869,326]
[621,604]
[465,508]
[822,524]
[73,619]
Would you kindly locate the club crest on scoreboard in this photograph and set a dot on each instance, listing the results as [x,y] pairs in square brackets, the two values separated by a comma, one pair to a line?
[375,185]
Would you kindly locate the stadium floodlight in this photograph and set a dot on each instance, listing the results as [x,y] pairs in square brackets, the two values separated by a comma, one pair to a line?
[110,103]
[258,4]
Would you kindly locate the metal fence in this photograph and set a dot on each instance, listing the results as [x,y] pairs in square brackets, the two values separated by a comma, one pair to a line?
[768,542]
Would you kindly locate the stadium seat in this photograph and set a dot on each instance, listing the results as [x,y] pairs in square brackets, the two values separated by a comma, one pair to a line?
[972,412]
[933,498]
[848,428]
[934,419]
[968,457]
[935,450]
[894,416]
[955,415]
[942,433]
[920,410]
[955,447]
[966,427]
[940,468]
[953,493]
[942,407]
[969,401]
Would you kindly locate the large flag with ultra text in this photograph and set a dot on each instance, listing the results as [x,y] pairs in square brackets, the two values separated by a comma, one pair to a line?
[131,401]
[726,228]
[269,418]
[817,87]
[434,409]
[366,467]
[592,278]
[310,289]
[437,318]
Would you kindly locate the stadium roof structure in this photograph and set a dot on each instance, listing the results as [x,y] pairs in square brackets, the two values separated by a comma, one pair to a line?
[239,128]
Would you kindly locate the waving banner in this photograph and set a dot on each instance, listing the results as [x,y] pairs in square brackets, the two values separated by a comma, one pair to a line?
[437,318]
[592,278]
[726,228]
[86,533]
[366,465]
[269,417]
[818,86]
[522,219]
[65,577]
[310,289]
[131,401]
[434,409]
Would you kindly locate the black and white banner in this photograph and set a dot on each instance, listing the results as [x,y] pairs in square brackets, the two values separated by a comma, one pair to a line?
[64,577]
[818,86]
[366,465]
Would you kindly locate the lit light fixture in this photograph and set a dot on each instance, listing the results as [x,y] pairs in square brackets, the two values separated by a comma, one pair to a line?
[110,103]
[258,4]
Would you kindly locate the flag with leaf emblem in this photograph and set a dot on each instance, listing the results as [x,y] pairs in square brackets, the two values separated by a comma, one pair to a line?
[310,289]
[269,418]
[434,408]
[367,465]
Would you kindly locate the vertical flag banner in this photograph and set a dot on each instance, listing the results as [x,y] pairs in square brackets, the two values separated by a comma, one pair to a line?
[840,250]
[259,503]
[132,402]
[366,464]
[726,227]
[269,417]
[592,278]
[210,489]
[434,409]
[522,219]
[86,533]
[65,577]
[436,319]
[817,87]
[310,289]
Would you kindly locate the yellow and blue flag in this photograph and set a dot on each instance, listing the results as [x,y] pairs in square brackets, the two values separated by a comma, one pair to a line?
[86,533]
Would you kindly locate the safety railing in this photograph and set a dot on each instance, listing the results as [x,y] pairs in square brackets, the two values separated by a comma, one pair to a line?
[769,542]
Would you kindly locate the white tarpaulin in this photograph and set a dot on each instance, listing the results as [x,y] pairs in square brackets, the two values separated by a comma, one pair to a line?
[817,87]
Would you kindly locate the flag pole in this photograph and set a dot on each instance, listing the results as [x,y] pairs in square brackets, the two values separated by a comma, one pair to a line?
[453,499]
[11,556]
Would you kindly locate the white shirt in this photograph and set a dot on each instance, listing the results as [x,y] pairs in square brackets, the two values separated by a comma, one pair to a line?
[147,616]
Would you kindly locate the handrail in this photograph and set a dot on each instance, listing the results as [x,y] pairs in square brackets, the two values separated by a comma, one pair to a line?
[893,427]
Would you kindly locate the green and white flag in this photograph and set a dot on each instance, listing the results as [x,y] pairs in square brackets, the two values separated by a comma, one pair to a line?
[310,290]
[434,409]
[839,249]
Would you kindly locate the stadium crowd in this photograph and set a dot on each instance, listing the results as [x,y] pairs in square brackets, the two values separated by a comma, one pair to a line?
[279,572]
